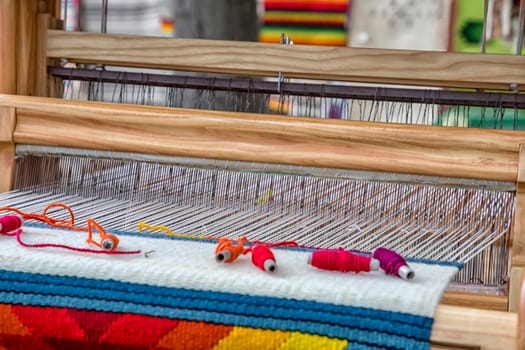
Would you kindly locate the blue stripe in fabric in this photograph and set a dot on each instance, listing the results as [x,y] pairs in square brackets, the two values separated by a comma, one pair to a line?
[359,336]
[457,264]
[127,287]
[346,320]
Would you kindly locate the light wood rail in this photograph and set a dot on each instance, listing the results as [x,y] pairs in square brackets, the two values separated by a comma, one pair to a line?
[299,61]
[483,329]
[422,150]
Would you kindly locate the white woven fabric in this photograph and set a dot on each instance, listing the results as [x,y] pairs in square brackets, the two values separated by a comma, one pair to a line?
[191,264]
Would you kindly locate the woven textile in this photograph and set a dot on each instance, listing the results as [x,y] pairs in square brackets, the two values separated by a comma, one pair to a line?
[179,297]
[313,22]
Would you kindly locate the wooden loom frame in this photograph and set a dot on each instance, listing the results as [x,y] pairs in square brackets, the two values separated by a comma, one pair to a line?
[483,154]
[251,137]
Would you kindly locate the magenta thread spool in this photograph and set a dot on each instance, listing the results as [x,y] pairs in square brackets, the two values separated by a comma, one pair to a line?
[342,260]
[393,263]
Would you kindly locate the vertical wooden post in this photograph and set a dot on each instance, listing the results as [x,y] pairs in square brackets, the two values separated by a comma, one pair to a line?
[41,81]
[518,240]
[520,338]
[26,47]
[8,33]
[7,147]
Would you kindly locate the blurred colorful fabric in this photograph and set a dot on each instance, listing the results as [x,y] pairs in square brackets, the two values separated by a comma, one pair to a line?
[314,22]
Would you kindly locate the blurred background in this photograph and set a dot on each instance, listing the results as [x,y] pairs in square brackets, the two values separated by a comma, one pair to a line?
[440,25]
[454,25]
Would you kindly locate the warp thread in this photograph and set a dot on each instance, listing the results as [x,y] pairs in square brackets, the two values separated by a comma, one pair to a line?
[393,264]
[342,260]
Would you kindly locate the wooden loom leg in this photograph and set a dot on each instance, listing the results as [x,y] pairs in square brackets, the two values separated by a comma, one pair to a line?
[8,10]
[7,147]
[41,79]
[26,47]
[518,240]
[520,338]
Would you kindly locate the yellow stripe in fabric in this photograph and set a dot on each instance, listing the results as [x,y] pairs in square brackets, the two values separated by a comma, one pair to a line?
[310,39]
[306,341]
[242,338]
[303,16]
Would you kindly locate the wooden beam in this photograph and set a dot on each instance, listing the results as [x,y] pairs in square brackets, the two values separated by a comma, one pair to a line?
[26,47]
[520,341]
[8,40]
[421,150]
[518,235]
[301,61]
[518,238]
[41,78]
[478,301]
[515,288]
[484,329]
[7,147]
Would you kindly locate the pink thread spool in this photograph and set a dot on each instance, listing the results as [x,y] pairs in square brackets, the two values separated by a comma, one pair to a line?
[263,258]
[342,260]
[10,223]
[393,263]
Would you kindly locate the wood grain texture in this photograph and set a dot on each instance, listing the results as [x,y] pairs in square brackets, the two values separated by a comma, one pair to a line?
[421,150]
[518,233]
[488,330]
[520,341]
[8,38]
[301,61]
[26,47]
[7,147]
[478,301]
[41,78]
[515,287]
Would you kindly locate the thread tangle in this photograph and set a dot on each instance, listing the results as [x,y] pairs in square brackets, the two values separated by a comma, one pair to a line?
[342,260]
[227,252]
[393,264]
[107,242]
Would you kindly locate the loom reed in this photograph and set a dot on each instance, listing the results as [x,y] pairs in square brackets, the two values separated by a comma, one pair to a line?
[461,224]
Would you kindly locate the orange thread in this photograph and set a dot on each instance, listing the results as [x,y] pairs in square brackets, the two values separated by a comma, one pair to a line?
[227,252]
[108,242]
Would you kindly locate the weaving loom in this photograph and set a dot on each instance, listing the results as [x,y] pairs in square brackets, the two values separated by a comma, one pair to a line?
[443,197]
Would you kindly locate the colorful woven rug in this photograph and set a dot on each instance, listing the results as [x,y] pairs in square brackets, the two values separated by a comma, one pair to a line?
[178,297]
[313,22]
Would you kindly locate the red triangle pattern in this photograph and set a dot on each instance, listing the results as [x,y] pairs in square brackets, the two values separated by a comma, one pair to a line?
[53,328]
[50,322]
[138,330]
[93,323]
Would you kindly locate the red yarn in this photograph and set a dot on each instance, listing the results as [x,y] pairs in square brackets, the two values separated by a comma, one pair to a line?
[263,258]
[63,246]
[340,260]
[10,223]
